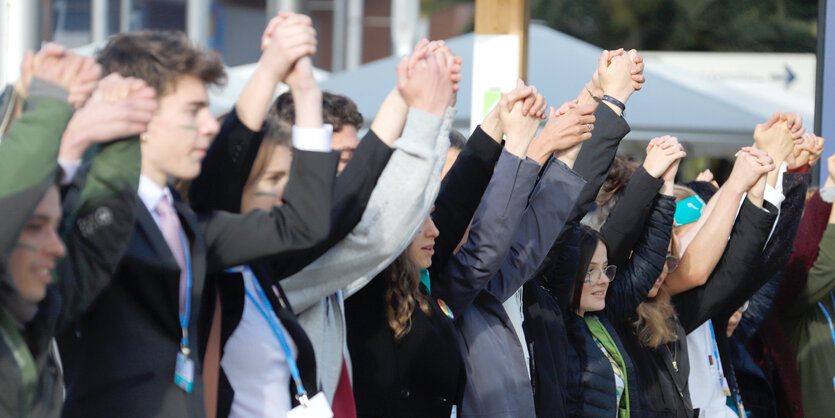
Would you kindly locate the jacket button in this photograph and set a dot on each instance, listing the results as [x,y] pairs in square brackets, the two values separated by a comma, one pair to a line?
[405,393]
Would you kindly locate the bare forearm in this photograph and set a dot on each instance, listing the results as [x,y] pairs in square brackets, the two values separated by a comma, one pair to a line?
[390,119]
[707,247]
[308,103]
[255,99]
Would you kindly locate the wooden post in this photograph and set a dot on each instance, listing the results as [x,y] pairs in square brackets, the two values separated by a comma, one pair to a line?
[500,49]
[506,17]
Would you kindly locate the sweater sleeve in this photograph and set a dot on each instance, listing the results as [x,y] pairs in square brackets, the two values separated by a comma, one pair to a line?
[28,160]
[396,209]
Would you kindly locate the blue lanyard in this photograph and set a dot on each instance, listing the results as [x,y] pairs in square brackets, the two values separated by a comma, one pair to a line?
[272,319]
[185,311]
[828,319]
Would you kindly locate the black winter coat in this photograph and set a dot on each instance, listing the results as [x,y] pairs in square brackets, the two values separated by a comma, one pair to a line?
[591,386]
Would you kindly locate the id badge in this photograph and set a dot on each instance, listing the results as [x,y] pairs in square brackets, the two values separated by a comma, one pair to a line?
[184,372]
[317,407]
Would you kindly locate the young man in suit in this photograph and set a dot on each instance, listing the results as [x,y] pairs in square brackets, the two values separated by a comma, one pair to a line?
[134,352]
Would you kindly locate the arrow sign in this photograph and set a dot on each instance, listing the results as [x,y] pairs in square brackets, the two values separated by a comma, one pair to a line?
[788,76]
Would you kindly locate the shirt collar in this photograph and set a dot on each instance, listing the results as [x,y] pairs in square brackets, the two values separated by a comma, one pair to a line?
[151,193]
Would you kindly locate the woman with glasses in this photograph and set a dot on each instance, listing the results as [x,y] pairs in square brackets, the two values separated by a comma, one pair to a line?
[602,380]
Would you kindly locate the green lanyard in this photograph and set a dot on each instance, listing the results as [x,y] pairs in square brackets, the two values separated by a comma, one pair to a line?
[23,357]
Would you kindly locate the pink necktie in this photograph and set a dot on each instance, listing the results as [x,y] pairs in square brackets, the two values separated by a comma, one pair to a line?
[170,226]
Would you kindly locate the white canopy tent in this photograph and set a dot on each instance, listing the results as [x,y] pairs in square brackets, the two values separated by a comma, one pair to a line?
[711,117]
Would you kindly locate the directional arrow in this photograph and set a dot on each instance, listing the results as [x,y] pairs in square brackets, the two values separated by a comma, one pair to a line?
[789,76]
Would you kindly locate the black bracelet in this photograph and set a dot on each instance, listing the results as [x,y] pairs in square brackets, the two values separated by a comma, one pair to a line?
[615,102]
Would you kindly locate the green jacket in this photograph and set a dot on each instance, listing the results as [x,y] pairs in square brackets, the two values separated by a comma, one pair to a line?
[95,233]
[808,330]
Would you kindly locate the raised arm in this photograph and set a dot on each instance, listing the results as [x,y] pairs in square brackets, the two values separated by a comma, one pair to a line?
[98,228]
[409,182]
[552,200]
[631,286]
[627,219]
[500,211]
[463,187]
[544,218]
[734,279]
[28,151]
[776,256]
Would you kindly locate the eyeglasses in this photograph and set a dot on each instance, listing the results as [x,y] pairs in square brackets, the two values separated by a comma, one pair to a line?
[671,263]
[593,275]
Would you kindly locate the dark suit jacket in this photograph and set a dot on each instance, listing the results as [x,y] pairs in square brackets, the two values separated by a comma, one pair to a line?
[226,168]
[119,357]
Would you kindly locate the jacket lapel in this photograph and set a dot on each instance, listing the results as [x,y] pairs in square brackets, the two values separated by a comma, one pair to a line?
[153,236]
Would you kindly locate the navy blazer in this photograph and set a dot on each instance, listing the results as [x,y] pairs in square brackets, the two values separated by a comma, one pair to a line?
[119,356]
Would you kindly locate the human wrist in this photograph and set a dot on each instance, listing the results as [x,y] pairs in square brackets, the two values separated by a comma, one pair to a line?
[308,104]
[567,157]
[268,75]
[73,144]
[515,146]
[538,152]
[668,188]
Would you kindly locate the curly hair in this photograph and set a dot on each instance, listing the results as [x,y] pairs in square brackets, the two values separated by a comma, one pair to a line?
[403,294]
[337,110]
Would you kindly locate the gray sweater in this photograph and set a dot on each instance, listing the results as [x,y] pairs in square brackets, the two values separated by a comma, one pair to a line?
[396,209]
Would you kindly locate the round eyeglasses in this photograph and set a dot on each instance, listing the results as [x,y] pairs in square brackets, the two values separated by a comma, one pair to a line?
[593,275]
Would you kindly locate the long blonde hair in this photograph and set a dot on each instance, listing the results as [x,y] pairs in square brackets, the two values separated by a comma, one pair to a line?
[403,294]
[656,323]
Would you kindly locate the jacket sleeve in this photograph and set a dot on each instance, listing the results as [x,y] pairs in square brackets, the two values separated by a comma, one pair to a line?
[812,225]
[632,284]
[596,157]
[776,255]
[396,210]
[821,278]
[733,280]
[491,234]
[461,191]
[226,167]
[627,219]
[28,160]
[96,233]
[593,163]
[544,218]
[304,220]
[351,193]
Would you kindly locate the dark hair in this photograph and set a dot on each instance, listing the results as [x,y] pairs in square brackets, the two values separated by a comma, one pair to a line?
[160,58]
[457,140]
[589,238]
[619,175]
[337,110]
